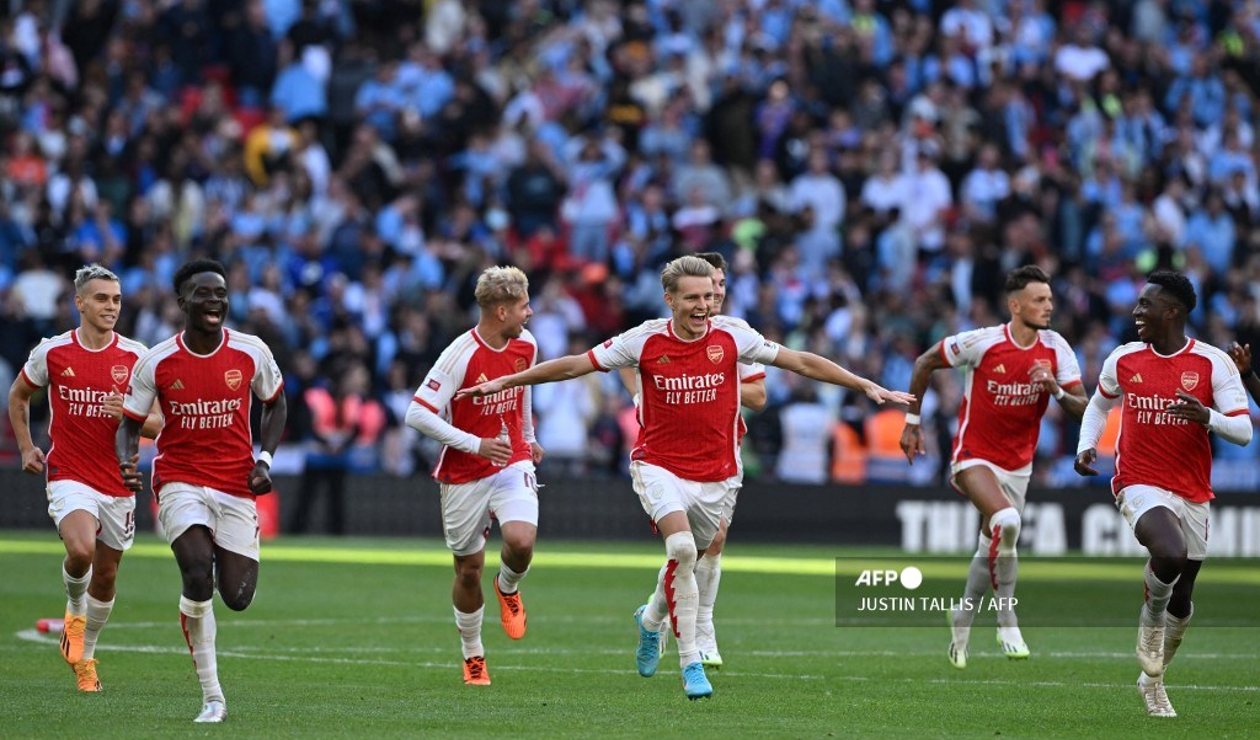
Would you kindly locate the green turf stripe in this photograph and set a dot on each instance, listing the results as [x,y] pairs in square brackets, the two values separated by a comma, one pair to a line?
[1223,571]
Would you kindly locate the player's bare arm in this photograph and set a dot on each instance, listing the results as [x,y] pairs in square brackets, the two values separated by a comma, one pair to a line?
[561,368]
[20,417]
[152,426]
[274,415]
[1072,400]
[912,435]
[1241,354]
[752,394]
[816,367]
[127,448]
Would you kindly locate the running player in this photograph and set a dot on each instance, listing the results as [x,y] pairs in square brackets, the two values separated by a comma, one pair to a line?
[205,476]
[1173,391]
[752,395]
[84,370]
[686,462]
[486,470]
[1009,374]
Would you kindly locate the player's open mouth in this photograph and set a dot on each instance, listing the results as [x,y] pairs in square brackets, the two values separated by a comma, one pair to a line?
[213,317]
[1141,326]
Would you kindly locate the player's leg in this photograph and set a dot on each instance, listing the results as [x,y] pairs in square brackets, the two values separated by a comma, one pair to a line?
[515,503]
[708,579]
[187,518]
[465,523]
[78,533]
[1159,531]
[1001,519]
[116,533]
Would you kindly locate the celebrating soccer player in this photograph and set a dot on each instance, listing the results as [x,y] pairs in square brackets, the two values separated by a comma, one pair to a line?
[1009,374]
[205,476]
[686,462]
[752,395]
[1174,391]
[487,466]
[84,371]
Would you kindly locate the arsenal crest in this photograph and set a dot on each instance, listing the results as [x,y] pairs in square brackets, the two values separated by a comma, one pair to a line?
[232,378]
[1189,380]
[119,373]
[520,364]
[715,352]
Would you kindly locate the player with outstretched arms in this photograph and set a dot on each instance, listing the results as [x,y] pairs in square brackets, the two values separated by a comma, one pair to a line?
[486,470]
[1173,392]
[686,461]
[752,395]
[1010,372]
[205,476]
[84,371]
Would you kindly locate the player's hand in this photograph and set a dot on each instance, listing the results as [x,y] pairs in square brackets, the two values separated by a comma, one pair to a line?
[1190,409]
[131,474]
[881,395]
[114,404]
[496,450]
[260,479]
[487,388]
[1085,461]
[1242,356]
[912,442]
[1043,379]
[536,452]
[33,460]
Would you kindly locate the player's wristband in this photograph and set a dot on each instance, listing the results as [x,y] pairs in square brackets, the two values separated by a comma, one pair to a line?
[913,419]
[1059,393]
[264,457]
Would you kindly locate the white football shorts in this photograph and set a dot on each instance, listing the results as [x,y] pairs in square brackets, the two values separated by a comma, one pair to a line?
[115,515]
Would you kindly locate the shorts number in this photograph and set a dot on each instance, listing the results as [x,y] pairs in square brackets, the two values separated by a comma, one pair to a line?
[530,482]
[129,524]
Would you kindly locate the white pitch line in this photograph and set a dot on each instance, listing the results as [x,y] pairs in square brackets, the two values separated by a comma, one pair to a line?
[244,654]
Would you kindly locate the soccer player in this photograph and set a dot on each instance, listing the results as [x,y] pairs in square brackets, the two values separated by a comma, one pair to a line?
[1241,355]
[486,470]
[752,395]
[686,461]
[84,370]
[1173,392]
[205,476]
[1009,374]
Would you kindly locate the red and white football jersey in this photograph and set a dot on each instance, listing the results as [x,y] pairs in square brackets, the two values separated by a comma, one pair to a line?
[689,403]
[78,380]
[468,362]
[206,400]
[1000,416]
[1154,448]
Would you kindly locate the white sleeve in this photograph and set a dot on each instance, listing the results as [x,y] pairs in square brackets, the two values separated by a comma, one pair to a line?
[142,390]
[268,380]
[620,351]
[1230,415]
[1069,373]
[753,348]
[444,378]
[420,417]
[527,407]
[36,368]
[965,349]
[1108,382]
[751,371]
[1094,421]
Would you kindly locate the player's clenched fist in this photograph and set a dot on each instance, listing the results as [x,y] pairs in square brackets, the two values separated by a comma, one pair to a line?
[260,479]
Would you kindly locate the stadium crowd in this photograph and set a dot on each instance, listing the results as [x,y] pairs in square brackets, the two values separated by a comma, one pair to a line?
[870,169]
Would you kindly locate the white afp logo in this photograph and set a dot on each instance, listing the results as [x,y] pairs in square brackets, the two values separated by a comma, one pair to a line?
[910,577]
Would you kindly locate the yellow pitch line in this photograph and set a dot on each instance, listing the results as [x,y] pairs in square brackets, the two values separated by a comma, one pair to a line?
[1224,572]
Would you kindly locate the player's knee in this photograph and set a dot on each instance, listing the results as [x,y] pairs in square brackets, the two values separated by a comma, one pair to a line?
[239,599]
[104,575]
[519,544]
[681,547]
[1005,525]
[1171,555]
[79,555]
[715,547]
[198,581]
[468,575]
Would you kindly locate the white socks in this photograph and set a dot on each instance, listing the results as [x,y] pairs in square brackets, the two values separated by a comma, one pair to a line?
[508,579]
[682,594]
[708,577]
[76,590]
[1174,631]
[97,616]
[1158,594]
[197,620]
[1004,561]
[977,582]
[470,631]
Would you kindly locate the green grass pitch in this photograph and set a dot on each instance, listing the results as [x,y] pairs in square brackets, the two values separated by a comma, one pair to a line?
[356,638]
